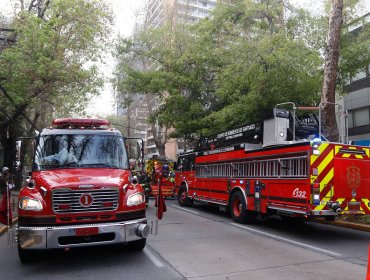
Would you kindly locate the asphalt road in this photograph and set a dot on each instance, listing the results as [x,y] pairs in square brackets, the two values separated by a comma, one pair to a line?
[203,243]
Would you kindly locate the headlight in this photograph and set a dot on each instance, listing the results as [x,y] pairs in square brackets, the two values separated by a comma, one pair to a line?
[135,199]
[26,203]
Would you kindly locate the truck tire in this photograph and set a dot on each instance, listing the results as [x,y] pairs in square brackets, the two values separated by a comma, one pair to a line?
[137,245]
[26,256]
[182,197]
[238,209]
[292,220]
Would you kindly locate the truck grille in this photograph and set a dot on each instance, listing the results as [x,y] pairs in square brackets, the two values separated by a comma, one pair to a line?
[69,201]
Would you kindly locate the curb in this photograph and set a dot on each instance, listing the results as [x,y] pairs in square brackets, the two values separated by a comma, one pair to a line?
[4,228]
[350,225]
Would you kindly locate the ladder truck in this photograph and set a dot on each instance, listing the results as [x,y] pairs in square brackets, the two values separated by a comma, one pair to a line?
[277,167]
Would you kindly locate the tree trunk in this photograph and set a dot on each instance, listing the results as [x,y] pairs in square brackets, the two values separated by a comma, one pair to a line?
[161,150]
[330,71]
[159,137]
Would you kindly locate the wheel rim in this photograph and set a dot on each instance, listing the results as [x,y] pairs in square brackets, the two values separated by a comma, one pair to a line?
[237,207]
[183,196]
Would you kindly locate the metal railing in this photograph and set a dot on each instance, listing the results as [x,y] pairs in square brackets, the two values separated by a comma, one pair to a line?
[293,167]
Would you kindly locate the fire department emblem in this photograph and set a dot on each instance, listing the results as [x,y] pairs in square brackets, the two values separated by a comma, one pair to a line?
[86,200]
[353,176]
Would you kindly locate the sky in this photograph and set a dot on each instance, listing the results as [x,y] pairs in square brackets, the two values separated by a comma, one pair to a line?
[125,12]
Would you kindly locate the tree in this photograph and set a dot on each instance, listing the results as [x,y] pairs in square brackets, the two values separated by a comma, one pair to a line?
[145,67]
[234,67]
[330,70]
[231,65]
[49,71]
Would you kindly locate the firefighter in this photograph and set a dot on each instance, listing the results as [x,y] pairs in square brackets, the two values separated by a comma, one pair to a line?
[5,177]
[6,181]
[165,171]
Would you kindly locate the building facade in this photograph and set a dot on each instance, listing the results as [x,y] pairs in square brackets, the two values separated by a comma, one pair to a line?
[357,99]
[159,12]
[189,11]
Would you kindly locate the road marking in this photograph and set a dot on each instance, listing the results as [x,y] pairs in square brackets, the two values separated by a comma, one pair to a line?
[183,209]
[153,258]
[288,240]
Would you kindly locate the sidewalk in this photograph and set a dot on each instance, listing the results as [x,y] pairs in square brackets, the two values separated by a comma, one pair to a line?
[345,224]
[14,206]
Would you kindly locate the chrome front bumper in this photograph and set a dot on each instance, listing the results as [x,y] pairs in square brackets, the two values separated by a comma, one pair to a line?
[67,236]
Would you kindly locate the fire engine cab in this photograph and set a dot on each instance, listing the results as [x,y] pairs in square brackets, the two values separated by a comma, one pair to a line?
[80,191]
[274,167]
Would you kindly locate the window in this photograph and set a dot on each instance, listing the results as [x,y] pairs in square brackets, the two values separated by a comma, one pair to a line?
[202,13]
[354,26]
[360,75]
[361,117]
[80,150]
[186,162]
[350,119]
[358,117]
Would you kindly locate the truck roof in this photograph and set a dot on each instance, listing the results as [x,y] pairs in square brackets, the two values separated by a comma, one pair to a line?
[52,131]
[80,126]
[81,123]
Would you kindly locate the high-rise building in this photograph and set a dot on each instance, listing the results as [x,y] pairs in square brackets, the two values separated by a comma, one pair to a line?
[159,12]
[190,11]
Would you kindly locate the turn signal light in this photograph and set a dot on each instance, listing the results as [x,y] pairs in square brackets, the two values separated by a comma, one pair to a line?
[316,194]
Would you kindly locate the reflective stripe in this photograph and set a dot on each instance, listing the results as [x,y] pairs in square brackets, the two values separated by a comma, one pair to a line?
[325,167]
[321,148]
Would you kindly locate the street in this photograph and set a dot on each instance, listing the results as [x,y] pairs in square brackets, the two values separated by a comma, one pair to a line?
[203,243]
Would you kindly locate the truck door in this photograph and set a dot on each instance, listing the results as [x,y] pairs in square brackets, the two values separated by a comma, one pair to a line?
[352,181]
[186,172]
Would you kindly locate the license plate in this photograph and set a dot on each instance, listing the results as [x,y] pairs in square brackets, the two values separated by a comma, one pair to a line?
[354,206]
[87,231]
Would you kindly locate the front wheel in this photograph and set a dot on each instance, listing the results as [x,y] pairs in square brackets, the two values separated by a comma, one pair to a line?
[238,209]
[137,245]
[26,256]
[182,197]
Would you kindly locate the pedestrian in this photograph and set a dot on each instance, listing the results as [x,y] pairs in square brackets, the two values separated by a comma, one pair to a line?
[6,183]
[5,178]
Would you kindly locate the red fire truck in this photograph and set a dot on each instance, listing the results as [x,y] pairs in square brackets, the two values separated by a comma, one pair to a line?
[81,191]
[258,169]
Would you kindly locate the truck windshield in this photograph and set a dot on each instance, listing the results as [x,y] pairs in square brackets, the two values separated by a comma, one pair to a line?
[81,151]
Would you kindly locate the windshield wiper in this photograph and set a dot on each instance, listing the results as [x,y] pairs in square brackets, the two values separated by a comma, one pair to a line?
[68,165]
[98,165]
[47,166]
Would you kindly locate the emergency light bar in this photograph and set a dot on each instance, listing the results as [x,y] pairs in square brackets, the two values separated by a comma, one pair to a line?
[81,123]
